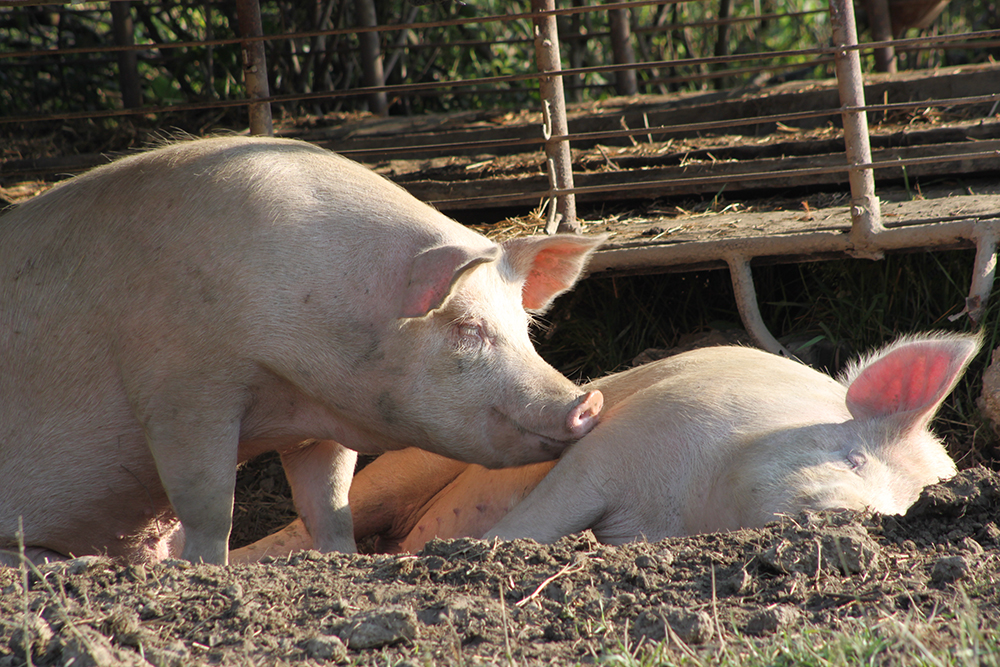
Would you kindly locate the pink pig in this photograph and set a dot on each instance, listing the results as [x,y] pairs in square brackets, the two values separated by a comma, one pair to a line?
[171,314]
[710,440]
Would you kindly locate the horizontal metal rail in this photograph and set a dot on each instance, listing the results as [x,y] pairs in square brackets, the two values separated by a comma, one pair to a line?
[684,183]
[737,254]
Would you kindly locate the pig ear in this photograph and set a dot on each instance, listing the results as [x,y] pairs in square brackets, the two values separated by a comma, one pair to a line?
[547,265]
[910,378]
[434,273]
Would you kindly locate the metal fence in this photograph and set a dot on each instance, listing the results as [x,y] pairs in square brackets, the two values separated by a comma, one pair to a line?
[653,56]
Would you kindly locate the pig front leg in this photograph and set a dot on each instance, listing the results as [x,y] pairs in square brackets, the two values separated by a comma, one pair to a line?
[320,473]
[200,482]
[567,500]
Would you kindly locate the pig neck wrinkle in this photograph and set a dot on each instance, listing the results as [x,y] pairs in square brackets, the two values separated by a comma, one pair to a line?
[526,431]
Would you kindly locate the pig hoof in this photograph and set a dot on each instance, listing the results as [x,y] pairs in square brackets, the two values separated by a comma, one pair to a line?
[583,417]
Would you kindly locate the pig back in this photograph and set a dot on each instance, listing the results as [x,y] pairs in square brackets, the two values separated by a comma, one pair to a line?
[218,245]
[681,422]
[732,385]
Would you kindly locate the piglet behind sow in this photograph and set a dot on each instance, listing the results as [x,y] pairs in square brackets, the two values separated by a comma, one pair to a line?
[709,440]
[725,438]
[168,315]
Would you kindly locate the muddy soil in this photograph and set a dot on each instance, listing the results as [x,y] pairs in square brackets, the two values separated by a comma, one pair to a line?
[469,601]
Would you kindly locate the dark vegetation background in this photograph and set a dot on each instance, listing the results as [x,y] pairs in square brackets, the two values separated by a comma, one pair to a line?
[844,306]
[87,79]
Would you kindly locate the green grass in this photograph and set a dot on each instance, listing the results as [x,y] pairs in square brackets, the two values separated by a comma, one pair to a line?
[946,640]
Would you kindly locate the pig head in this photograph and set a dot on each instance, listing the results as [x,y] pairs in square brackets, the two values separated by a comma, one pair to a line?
[714,439]
[171,314]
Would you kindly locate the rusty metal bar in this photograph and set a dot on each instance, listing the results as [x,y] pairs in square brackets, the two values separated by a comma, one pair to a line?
[664,185]
[409,25]
[981,232]
[555,128]
[911,43]
[865,212]
[255,67]
[832,242]
[746,303]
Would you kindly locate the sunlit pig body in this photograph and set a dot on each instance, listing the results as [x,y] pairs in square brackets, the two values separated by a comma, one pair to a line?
[166,316]
[710,440]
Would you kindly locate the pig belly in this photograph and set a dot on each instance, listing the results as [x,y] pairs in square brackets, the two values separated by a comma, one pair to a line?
[75,466]
[95,499]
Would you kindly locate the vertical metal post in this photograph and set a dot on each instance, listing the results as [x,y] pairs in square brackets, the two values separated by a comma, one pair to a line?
[621,48]
[555,127]
[371,56]
[255,67]
[866,216]
[983,273]
[746,303]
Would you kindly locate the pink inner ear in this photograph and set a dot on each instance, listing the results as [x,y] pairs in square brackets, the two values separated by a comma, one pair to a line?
[428,289]
[425,298]
[546,279]
[910,379]
[554,269]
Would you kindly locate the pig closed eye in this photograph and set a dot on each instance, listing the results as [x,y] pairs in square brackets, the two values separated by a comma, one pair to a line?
[471,334]
[855,460]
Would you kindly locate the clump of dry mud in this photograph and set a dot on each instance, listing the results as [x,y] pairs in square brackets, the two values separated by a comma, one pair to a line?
[466,601]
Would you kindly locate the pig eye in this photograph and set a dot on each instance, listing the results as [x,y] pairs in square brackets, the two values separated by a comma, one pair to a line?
[470,330]
[471,333]
[855,460]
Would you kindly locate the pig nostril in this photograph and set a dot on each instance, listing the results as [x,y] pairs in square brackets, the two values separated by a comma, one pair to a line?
[583,416]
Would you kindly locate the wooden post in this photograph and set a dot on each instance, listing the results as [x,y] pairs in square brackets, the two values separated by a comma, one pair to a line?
[128,72]
[880,23]
[621,48]
[371,56]
[722,42]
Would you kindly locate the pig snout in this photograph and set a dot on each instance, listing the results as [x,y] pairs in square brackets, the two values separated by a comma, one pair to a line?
[584,415]
[530,441]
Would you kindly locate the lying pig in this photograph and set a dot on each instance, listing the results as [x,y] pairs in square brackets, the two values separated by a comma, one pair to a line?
[169,315]
[710,440]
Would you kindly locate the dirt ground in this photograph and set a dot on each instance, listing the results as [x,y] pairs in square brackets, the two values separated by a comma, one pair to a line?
[469,601]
